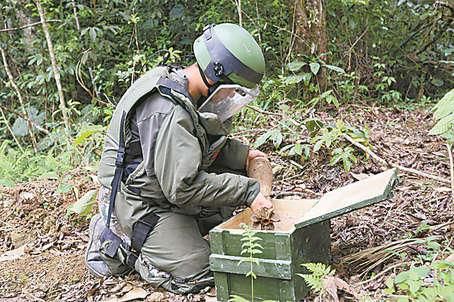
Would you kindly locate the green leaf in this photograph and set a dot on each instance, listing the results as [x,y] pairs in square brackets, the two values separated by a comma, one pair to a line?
[445,106]
[20,127]
[298,149]
[86,133]
[437,82]
[84,205]
[390,285]
[295,66]
[313,125]
[64,187]
[315,67]
[334,68]
[402,277]
[414,286]
[293,79]
[277,138]
[263,139]
[443,125]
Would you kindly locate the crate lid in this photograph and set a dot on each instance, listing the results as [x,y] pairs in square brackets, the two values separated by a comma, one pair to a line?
[354,196]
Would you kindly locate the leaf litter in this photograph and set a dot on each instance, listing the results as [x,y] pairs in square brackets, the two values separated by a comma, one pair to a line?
[51,267]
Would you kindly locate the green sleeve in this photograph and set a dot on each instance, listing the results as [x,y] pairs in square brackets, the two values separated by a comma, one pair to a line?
[233,155]
[178,157]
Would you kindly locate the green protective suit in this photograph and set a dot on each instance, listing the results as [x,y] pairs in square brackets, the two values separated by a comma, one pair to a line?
[174,179]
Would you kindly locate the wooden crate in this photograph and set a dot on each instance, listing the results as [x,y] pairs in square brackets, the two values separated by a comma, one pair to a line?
[302,235]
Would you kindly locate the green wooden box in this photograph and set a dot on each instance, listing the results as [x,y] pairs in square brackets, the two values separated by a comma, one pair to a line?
[302,235]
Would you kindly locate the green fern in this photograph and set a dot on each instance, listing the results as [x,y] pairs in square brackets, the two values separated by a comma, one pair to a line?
[251,247]
[318,272]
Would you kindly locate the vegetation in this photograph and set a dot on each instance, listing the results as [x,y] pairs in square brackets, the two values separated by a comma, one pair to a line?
[66,64]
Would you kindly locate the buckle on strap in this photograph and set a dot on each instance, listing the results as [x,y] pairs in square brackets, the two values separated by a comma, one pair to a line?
[111,242]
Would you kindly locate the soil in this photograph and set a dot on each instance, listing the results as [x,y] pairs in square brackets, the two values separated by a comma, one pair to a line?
[49,245]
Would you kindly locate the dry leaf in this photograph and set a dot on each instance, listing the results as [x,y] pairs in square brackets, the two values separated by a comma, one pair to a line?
[136,293]
[13,254]
[156,297]
[450,258]
[330,286]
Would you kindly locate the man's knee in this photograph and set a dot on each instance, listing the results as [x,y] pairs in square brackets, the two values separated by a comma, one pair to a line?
[176,246]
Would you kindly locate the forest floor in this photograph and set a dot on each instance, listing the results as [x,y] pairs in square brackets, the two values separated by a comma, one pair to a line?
[42,250]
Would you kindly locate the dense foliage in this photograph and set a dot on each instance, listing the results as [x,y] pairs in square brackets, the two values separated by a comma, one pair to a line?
[389,51]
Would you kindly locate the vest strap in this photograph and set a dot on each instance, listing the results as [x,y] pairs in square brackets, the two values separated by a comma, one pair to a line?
[119,167]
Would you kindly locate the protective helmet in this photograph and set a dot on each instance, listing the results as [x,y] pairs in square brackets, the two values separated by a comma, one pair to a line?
[227,53]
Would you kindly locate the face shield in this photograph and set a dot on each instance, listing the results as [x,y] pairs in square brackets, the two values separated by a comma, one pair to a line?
[228,99]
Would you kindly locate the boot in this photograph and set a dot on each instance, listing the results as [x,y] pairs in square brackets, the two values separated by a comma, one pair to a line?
[93,259]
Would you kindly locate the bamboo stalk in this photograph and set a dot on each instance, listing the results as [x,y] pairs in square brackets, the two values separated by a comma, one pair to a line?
[19,96]
[55,67]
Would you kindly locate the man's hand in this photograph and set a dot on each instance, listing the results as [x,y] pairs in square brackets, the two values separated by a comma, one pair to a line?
[253,154]
[260,202]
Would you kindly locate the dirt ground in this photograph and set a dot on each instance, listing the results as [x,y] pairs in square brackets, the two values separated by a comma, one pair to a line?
[49,246]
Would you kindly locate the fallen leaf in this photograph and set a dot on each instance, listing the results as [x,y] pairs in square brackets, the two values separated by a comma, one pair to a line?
[156,297]
[442,189]
[13,254]
[450,258]
[137,293]
[330,286]
[26,196]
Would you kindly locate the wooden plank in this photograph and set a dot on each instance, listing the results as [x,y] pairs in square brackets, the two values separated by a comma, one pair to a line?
[351,197]
[265,289]
[232,244]
[221,281]
[283,247]
[280,269]
[216,241]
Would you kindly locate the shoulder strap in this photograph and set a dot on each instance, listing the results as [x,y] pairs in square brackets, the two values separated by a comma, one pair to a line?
[119,167]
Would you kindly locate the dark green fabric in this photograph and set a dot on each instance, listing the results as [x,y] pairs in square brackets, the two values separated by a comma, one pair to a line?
[178,170]
[177,179]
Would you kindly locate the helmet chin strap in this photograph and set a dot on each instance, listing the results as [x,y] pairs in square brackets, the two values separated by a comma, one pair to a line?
[204,78]
[211,87]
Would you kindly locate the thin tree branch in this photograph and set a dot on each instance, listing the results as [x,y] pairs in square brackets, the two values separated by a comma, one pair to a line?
[55,67]
[451,168]
[19,96]
[26,26]
[240,17]
[385,163]
[11,130]
[73,3]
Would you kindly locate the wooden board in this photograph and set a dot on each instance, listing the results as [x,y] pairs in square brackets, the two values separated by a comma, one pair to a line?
[351,197]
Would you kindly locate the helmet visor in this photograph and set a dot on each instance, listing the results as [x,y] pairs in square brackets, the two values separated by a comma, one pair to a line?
[227,100]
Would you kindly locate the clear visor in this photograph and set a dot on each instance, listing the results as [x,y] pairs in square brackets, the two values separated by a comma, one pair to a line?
[227,100]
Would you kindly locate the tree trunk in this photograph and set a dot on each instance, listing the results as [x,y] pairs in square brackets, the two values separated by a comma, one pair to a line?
[310,32]
[55,67]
